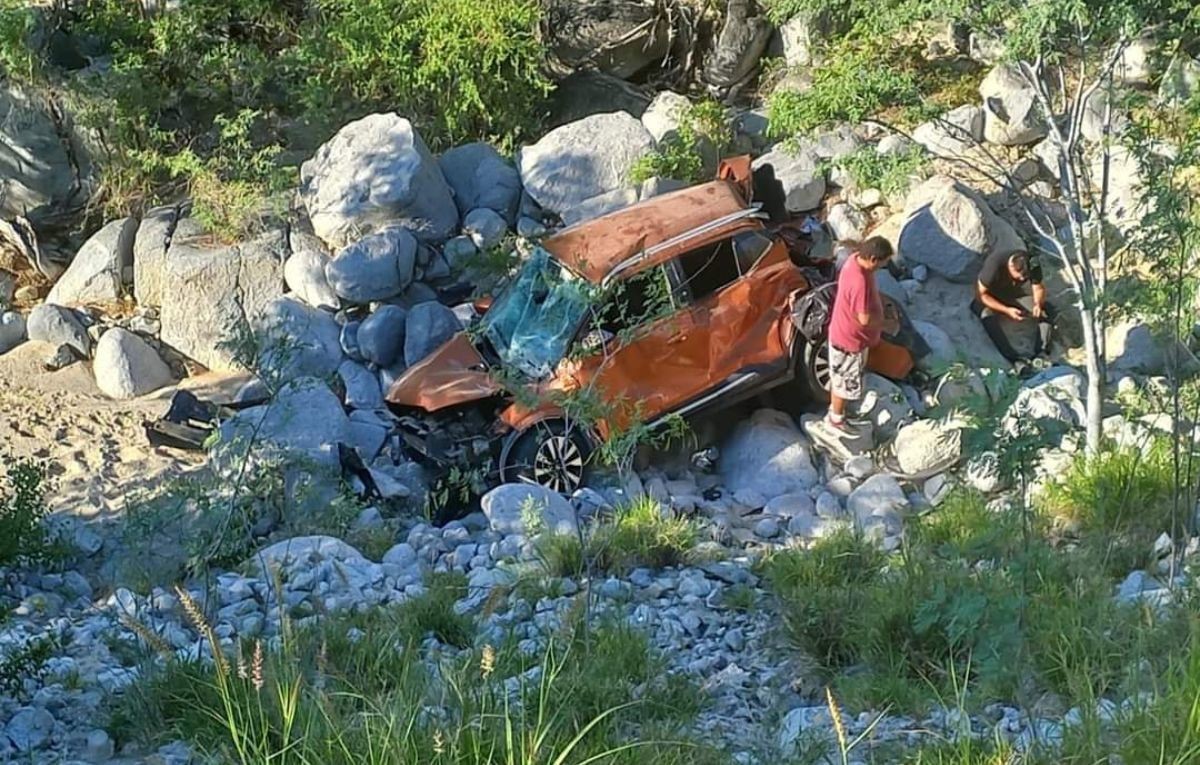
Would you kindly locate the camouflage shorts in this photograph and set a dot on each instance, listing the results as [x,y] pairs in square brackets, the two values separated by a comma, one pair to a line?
[846,373]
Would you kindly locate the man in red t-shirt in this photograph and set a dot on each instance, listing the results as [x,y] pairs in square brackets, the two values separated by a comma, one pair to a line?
[856,325]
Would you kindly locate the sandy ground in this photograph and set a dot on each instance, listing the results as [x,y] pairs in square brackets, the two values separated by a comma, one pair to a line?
[95,449]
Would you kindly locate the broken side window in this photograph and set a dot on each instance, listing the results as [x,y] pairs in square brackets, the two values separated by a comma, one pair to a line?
[709,269]
[749,248]
[634,302]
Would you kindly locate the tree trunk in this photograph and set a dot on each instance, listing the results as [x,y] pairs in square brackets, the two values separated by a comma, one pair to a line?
[1095,382]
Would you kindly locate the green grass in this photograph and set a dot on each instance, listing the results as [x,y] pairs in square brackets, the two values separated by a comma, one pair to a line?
[994,601]
[639,534]
[1117,504]
[356,690]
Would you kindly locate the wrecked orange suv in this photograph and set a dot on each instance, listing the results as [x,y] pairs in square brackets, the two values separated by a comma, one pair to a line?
[662,309]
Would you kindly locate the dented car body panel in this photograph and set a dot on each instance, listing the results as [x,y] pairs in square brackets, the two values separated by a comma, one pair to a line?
[452,375]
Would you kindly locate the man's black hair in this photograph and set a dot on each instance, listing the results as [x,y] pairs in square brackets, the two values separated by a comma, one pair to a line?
[1020,263]
[876,249]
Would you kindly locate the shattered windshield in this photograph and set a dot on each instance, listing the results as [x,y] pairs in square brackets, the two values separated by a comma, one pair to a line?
[533,321]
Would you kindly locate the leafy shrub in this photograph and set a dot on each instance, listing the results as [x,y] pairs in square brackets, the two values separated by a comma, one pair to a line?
[465,69]
[890,173]
[688,153]
[24,662]
[199,99]
[23,539]
[852,85]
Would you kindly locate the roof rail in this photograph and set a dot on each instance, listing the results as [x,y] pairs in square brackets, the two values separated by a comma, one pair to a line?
[753,211]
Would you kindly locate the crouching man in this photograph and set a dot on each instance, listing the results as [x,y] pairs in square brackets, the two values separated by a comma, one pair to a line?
[856,324]
[1010,290]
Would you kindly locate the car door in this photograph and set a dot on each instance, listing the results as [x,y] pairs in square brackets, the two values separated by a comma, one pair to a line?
[654,353]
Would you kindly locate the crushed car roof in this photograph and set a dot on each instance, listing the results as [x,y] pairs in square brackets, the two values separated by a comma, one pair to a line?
[593,249]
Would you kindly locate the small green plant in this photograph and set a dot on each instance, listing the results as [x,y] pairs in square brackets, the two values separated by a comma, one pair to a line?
[433,613]
[25,662]
[639,534]
[23,538]
[890,173]
[688,153]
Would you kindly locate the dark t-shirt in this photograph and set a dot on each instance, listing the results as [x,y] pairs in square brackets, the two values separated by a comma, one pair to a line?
[999,282]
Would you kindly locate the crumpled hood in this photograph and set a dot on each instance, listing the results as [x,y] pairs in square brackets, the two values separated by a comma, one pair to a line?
[453,374]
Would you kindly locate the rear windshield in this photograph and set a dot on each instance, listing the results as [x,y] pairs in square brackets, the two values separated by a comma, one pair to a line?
[532,322]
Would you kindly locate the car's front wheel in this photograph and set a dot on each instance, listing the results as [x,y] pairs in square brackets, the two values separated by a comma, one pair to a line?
[549,454]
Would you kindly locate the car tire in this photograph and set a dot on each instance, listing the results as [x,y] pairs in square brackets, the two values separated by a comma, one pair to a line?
[550,455]
[816,370]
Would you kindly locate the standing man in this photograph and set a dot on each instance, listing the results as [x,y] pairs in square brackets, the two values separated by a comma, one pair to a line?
[1010,289]
[856,324]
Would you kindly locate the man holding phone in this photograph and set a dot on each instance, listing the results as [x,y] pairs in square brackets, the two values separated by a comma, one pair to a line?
[1010,289]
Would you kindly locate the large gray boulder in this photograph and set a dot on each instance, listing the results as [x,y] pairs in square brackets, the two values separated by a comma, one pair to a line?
[12,330]
[381,336]
[29,729]
[583,159]
[211,293]
[304,272]
[1055,395]
[429,326]
[952,134]
[297,340]
[740,44]
[616,37]
[1011,115]
[526,509]
[480,177]
[877,505]
[304,418]
[58,326]
[926,447]
[97,274]
[127,367]
[374,173]
[1132,346]
[377,267]
[800,174]
[662,116]
[150,248]
[362,387]
[769,455]
[942,351]
[43,166]
[950,229]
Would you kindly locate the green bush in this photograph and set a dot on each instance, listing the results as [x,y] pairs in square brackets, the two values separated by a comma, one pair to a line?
[890,173]
[23,538]
[464,69]
[854,83]
[689,153]
[198,100]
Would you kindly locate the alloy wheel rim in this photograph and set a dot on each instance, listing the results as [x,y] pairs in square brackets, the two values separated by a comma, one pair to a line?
[821,369]
[558,464]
